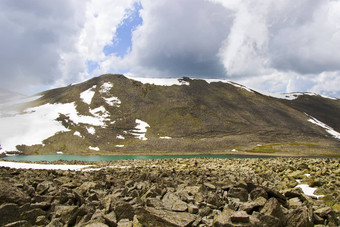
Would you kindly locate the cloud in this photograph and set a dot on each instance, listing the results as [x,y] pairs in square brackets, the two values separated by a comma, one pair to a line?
[36,37]
[278,45]
[180,38]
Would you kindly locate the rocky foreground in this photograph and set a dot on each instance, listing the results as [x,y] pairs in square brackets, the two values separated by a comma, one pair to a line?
[174,192]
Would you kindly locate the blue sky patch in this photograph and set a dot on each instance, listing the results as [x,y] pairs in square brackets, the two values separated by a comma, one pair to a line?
[91,65]
[122,43]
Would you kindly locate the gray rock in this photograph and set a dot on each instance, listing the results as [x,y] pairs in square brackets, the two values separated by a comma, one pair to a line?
[32,215]
[294,203]
[209,186]
[273,208]
[299,217]
[239,217]
[323,212]
[21,223]
[11,194]
[192,209]
[152,217]
[204,211]
[154,202]
[223,219]
[65,213]
[258,192]
[9,212]
[172,202]
[240,193]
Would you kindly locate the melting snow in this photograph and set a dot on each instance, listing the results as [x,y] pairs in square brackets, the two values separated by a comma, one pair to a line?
[87,95]
[119,146]
[94,148]
[120,137]
[307,190]
[60,152]
[106,87]
[113,101]
[323,125]
[100,113]
[76,133]
[165,137]
[91,130]
[32,127]
[140,130]
[18,165]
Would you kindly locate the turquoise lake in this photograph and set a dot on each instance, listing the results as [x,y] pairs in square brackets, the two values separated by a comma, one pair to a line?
[50,158]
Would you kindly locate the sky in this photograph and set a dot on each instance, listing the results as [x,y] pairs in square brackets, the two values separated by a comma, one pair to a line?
[269,45]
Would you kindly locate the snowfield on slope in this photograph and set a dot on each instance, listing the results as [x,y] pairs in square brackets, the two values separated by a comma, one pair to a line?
[39,123]
[328,129]
[88,94]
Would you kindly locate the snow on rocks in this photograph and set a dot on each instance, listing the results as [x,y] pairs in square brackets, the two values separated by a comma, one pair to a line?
[120,137]
[113,101]
[18,165]
[140,130]
[76,133]
[87,95]
[100,113]
[328,129]
[307,190]
[91,130]
[105,87]
[94,148]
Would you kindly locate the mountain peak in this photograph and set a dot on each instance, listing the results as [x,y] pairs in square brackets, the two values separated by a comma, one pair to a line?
[114,113]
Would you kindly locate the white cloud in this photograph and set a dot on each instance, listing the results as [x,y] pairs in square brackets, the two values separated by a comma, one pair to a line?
[277,45]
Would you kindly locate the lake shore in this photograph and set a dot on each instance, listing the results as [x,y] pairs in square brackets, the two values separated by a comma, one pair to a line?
[175,192]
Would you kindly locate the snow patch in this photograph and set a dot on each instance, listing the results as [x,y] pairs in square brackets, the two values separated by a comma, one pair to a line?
[101,114]
[94,148]
[113,101]
[165,137]
[119,146]
[307,190]
[87,95]
[140,130]
[60,152]
[76,133]
[120,137]
[32,127]
[328,129]
[91,130]
[18,165]
[105,88]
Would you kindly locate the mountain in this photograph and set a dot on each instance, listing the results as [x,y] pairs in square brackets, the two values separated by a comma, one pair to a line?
[113,114]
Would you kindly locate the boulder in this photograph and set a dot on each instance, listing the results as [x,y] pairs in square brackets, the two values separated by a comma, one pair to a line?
[11,194]
[258,192]
[239,217]
[294,203]
[240,193]
[150,216]
[209,186]
[299,217]
[273,208]
[172,202]
[21,223]
[31,215]
[65,213]
[9,212]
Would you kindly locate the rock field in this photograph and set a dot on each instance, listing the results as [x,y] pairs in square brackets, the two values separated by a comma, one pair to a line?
[174,192]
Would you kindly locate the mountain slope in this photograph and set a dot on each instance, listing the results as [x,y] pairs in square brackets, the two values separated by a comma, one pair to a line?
[111,113]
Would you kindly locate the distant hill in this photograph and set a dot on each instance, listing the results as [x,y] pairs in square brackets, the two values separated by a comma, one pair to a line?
[112,114]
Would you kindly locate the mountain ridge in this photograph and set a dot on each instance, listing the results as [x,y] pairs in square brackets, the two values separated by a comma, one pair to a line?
[194,115]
